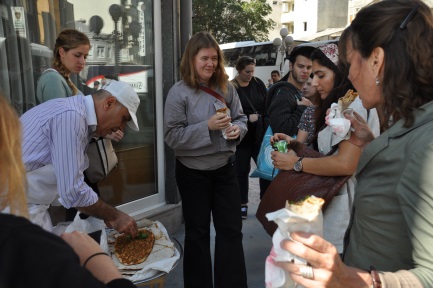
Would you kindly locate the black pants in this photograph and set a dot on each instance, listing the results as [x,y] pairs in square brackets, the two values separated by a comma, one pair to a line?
[216,193]
[244,154]
[243,168]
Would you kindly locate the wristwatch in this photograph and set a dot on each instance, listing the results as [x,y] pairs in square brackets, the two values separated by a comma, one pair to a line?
[298,165]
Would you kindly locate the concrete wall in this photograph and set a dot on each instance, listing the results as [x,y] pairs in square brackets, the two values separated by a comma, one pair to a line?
[332,16]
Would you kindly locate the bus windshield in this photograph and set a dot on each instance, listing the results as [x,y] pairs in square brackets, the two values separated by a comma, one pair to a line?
[267,56]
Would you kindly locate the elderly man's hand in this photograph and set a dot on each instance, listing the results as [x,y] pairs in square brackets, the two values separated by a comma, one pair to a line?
[115,136]
[123,223]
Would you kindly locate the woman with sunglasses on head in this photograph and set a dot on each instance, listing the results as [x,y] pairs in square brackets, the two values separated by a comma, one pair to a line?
[252,94]
[389,47]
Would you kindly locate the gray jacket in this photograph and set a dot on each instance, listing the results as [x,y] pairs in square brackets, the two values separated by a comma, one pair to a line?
[186,113]
[393,208]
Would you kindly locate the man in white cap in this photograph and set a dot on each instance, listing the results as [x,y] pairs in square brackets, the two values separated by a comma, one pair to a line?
[55,137]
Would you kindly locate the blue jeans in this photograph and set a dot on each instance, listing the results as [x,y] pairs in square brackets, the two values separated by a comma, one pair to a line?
[216,193]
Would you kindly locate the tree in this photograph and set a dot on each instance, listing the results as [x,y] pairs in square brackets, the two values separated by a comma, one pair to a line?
[233,20]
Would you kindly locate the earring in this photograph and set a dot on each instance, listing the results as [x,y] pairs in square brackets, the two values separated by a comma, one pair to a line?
[377,81]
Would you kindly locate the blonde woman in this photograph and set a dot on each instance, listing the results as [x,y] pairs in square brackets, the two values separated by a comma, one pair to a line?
[50,261]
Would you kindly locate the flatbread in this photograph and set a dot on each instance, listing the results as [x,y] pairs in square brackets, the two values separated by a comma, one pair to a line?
[131,251]
[310,206]
[347,99]
[222,110]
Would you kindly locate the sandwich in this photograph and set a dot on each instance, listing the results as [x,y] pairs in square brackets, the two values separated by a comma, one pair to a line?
[347,99]
[309,206]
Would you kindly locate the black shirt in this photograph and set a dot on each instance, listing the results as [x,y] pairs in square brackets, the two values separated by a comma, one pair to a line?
[33,257]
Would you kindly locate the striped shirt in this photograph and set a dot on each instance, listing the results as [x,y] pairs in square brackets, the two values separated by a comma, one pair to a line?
[57,132]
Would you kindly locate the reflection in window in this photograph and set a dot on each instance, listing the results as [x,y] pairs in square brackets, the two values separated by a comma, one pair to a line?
[100,51]
[117,51]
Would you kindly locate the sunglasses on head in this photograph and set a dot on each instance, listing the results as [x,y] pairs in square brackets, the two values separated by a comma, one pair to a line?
[251,60]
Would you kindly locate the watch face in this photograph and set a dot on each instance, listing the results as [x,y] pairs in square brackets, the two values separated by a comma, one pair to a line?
[298,166]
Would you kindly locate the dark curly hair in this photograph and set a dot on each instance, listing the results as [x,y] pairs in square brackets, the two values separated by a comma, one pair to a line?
[408,70]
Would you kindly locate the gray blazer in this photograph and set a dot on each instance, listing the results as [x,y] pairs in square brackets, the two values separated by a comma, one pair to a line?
[392,225]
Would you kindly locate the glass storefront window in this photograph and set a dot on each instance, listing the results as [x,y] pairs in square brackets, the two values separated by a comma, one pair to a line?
[121,35]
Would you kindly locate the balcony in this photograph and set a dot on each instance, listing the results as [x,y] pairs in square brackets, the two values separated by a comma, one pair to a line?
[288,17]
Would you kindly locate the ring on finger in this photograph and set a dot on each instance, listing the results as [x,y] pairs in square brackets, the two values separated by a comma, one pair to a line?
[307,272]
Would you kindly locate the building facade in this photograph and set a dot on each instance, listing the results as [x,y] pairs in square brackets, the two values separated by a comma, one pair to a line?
[310,20]
[129,42]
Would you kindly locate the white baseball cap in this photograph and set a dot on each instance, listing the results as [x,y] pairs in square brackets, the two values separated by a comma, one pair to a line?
[127,96]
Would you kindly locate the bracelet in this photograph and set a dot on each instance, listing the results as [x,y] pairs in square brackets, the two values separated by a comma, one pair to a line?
[375,277]
[93,255]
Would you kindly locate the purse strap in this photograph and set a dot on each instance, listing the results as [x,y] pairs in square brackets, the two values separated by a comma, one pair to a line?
[213,93]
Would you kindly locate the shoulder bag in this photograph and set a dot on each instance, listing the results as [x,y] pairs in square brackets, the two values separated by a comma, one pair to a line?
[102,159]
[293,186]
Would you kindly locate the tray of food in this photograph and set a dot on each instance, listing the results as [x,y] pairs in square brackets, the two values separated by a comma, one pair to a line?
[151,253]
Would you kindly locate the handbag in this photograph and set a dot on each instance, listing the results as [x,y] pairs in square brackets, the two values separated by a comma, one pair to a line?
[293,186]
[102,159]
[265,169]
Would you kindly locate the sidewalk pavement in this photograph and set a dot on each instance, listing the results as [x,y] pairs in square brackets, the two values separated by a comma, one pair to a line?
[257,244]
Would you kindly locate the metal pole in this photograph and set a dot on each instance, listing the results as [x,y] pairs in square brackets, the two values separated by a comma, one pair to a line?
[116,50]
[282,50]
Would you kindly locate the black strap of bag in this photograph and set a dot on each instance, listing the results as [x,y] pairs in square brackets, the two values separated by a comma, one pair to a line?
[245,96]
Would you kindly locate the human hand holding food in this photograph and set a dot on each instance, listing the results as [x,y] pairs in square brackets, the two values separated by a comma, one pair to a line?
[328,270]
[219,121]
[361,134]
[232,132]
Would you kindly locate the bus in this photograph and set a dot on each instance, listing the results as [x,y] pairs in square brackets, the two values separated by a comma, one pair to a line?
[267,56]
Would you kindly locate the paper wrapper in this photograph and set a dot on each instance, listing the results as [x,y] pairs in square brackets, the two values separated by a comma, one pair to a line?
[162,258]
[290,219]
[225,111]
[339,124]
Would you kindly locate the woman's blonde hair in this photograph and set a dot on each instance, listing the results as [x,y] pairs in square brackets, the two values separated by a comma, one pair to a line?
[198,41]
[12,172]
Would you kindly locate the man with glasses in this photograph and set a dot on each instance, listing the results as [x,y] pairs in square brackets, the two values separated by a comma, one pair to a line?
[55,137]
